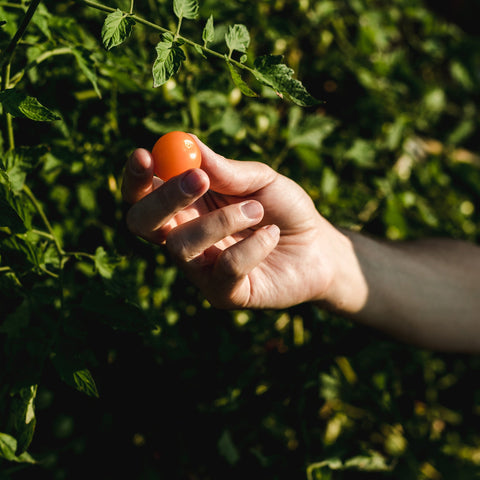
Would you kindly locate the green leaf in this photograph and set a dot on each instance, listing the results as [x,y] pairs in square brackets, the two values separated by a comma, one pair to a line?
[75,375]
[116,28]
[374,462]
[239,82]
[269,70]
[22,106]
[185,8]
[42,20]
[104,263]
[18,163]
[18,253]
[8,448]
[83,382]
[24,417]
[12,214]
[237,38]
[369,463]
[87,65]
[199,50]
[169,59]
[208,33]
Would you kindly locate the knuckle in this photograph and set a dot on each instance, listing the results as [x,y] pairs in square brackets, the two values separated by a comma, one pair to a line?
[177,246]
[229,264]
[224,219]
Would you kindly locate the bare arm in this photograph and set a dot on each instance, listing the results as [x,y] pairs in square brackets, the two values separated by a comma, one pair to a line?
[251,238]
[425,292]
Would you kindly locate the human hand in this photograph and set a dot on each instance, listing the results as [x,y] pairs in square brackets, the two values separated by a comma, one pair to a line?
[247,236]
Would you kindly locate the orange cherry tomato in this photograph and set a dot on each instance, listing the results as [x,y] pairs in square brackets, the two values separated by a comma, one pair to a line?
[174,153]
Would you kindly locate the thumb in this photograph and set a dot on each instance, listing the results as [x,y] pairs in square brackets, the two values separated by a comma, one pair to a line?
[234,177]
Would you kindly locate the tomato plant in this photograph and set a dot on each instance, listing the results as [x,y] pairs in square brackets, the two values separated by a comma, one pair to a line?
[174,153]
[392,151]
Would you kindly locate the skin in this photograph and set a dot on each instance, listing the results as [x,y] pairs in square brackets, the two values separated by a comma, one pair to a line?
[249,237]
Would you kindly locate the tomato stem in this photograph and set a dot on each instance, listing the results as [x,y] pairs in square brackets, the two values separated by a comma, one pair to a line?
[157,27]
[7,54]
[8,117]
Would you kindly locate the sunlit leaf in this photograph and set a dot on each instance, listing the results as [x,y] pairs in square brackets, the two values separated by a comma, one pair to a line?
[8,448]
[185,8]
[237,38]
[116,29]
[20,105]
[169,59]
[105,263]
[84,382]
[208,33]
[271,72]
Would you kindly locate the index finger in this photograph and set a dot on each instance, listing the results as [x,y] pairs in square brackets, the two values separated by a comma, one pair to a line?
[138,179]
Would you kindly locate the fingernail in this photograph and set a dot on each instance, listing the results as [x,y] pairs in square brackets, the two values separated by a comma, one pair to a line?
[138,165]
[251,210]
[191,183]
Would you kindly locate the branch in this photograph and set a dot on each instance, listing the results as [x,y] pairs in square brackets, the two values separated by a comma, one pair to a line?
[7,54]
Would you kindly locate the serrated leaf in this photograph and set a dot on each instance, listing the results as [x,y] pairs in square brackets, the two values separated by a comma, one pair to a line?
[20,105]
[269,70]
[208,33]
[87,65]
[169,59]
[237,38]
[105,263]
[116,29]
[186,8]
[8,448]
[239,82]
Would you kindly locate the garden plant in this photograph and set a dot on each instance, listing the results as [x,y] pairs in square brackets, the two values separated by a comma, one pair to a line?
[111,363]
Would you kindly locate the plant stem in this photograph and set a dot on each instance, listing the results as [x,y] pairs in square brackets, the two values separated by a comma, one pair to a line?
[154,26]
[7,54]
[131,6]
[41,58]
[8,117]
[45,220]
[179,26]
[12,5]
[80,254]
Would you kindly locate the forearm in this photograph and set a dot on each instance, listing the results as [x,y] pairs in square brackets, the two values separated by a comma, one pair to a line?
[423,292]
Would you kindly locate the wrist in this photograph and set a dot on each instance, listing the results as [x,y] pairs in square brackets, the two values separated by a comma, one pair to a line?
[347,290]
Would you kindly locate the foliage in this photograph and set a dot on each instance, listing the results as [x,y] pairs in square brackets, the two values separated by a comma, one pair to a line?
[164,386]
